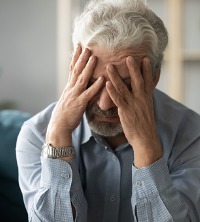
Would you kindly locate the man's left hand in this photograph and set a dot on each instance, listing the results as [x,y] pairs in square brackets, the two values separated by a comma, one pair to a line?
[136,111]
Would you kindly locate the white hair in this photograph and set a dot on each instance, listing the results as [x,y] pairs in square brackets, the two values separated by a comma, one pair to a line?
[121,24]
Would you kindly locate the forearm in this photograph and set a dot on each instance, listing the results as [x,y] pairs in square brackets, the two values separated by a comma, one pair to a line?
[154,198]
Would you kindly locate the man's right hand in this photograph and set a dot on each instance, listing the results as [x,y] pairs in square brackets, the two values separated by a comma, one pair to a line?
[69,110]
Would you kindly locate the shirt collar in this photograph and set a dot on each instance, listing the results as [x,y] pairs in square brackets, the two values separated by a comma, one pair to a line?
[87,133]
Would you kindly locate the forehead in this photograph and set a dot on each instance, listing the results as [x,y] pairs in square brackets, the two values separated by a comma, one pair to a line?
[116,58]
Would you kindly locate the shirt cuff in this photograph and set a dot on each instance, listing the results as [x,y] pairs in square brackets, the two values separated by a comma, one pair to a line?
[151,180]
[58,174]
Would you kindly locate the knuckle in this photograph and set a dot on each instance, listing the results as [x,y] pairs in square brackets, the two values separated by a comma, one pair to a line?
[80,59]
[121,88]
[86,69]
[71,67]
[81,80]
[140,83]
[75,71]
[83,58]
[87,94]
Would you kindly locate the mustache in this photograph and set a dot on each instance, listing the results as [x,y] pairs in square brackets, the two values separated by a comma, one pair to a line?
[106,113]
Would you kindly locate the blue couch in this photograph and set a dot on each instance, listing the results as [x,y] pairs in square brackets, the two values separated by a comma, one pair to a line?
[11,203]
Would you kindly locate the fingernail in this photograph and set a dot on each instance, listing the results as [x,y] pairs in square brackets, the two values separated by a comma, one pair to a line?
[111,68]
[146,59]
[85,50]
[77,48]
[100,78]
[130,59]
[109,84]
[92,58]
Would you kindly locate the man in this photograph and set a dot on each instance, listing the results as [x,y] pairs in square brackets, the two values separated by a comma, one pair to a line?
[113,148]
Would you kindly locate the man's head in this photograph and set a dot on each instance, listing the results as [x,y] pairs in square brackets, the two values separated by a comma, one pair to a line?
[121,24]
[114,30]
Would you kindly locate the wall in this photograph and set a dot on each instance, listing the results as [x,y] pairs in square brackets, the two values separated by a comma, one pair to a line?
[35,50]
[181,71]
[28,53]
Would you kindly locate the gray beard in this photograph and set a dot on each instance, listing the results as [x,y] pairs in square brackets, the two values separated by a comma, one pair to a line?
[103,128]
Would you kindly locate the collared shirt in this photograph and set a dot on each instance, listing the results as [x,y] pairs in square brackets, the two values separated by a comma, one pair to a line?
[102,184]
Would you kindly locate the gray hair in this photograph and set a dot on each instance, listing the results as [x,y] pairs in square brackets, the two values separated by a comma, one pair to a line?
[121,24]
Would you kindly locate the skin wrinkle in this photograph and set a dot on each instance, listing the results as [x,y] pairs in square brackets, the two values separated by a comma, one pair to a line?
[117,58]
[106,57]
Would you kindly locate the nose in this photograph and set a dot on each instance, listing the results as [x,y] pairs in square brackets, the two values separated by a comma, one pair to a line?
[104,101]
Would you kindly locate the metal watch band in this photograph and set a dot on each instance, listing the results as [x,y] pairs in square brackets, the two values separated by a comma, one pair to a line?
[49,151]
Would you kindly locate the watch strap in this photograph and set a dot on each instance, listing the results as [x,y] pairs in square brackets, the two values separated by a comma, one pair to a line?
[57,152]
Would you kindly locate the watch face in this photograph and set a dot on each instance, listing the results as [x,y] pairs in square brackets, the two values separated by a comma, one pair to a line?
[45,151]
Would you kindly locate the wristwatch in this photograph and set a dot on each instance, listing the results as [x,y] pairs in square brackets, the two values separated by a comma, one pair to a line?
[49,151]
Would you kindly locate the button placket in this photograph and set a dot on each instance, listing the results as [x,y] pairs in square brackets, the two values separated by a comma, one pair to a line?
[114,157]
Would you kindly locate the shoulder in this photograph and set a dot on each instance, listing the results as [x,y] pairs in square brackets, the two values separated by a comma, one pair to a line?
[42,118]
[36,125]
[177,125]
[172,111]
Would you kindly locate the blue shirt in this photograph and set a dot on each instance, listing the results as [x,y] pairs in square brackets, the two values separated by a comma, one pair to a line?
[104,185]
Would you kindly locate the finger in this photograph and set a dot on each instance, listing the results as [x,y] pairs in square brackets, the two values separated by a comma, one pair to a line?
[80,65]
[147,75]
[75,57]
[115,96]
[117,82]
[137,81]
[88,94]
[83,79]
[76,54]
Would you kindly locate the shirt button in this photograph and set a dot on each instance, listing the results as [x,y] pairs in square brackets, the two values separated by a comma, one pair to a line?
[106,147]
[114,157]
[112,198]
[138,183]
[65,175]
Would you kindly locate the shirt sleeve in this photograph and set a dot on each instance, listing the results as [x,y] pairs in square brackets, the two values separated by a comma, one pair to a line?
[49,186]
[59,188]
[155,198]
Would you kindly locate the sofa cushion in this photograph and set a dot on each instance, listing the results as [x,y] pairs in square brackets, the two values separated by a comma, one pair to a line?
[10,194]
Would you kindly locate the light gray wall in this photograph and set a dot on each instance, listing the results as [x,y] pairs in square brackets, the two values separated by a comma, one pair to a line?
[28,53]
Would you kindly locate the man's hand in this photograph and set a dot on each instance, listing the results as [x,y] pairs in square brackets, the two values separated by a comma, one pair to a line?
[70,108]
[135,109]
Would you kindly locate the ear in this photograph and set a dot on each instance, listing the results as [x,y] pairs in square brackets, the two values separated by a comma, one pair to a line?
[156,76]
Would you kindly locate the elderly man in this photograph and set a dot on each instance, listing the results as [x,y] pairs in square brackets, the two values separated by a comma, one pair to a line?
[113,148]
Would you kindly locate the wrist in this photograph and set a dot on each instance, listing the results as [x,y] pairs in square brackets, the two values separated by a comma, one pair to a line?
[146,154]
[59,139]
[146,160]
